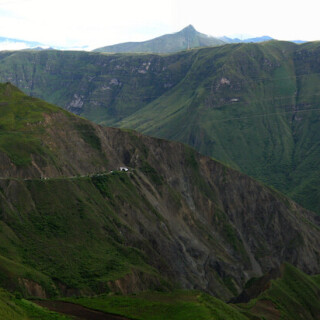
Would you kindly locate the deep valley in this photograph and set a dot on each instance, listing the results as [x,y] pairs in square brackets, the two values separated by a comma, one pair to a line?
[254,107]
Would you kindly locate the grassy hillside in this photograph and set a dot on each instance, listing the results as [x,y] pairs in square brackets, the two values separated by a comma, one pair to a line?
[70,231]
[185,39]
[176,219]
[18,118]
[252,106]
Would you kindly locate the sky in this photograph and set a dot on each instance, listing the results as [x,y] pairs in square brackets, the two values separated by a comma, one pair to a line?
[96,23]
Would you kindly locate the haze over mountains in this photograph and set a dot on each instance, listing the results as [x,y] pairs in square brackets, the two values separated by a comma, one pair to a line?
[18,44]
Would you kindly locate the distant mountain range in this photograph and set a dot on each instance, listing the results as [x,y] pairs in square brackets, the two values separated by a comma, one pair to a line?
[187,38]
[18,44]
[237,40]
[254,40]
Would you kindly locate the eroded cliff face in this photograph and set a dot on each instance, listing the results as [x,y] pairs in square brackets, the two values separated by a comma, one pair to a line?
[176,218]
[78,81]
[223,223]
[200,224]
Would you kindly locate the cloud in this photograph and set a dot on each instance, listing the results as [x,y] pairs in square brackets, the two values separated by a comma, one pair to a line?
[9,45]
[80,22]
[103,22]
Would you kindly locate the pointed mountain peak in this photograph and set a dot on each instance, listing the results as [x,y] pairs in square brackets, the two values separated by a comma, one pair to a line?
[184,39]
[189,28]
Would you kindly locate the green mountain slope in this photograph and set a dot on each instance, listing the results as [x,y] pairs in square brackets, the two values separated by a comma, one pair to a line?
[252,106]
[258,111]
[69,226]
[185,39]
[98,86]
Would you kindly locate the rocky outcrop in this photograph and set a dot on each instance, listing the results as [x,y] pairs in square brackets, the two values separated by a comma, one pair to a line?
[33,289]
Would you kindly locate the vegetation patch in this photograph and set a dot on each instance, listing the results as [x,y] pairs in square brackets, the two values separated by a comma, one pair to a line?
[88,134]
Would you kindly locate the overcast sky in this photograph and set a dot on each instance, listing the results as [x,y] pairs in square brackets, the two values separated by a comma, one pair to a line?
[98,23]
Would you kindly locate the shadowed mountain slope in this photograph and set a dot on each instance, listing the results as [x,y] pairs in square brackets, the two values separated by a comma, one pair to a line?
[175,219]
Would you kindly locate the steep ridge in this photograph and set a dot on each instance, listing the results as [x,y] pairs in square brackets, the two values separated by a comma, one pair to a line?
[176,218]
[252,106]
[185,39]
